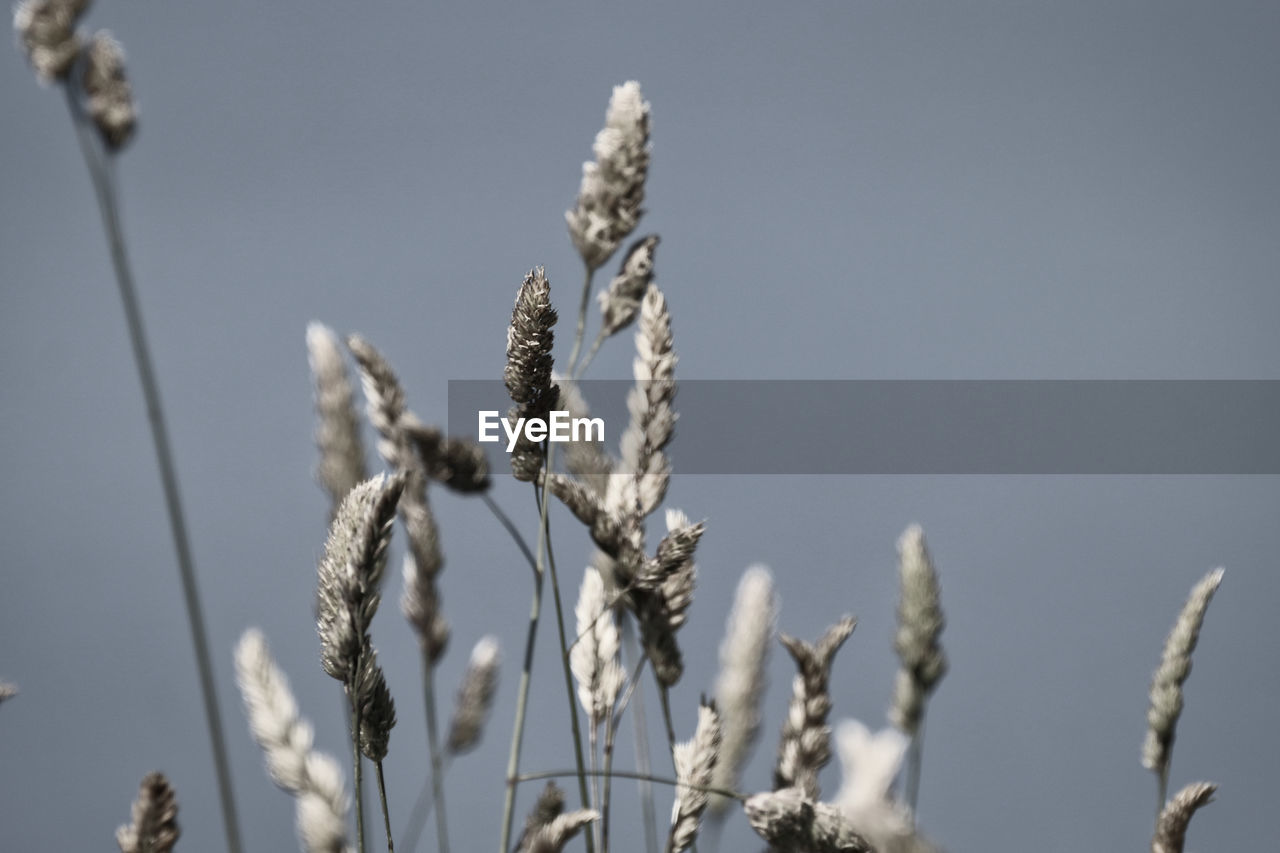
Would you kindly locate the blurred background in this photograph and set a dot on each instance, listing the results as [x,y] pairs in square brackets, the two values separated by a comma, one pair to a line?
[844,191]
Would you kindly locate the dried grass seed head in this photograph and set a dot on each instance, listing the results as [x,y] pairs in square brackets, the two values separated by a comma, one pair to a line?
[620,303]
[110,98]
[805,746]
[475,696]
[342,464]
[313,778]
[553,836]
[594,658]
[695,761]
[528,370]
[1171,826]
[458,464]
[611,195]
[7,691]
[377,709]
[1174,668]
[920,624]
[548,806]
[350,572]
[741,684]
[793,823]
[47,30]
[155,818]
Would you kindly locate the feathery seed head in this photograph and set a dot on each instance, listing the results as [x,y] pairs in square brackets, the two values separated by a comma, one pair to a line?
[155,818]
[457,464]
[588,461]
[548,807]
[475,696]
[110,97]
[553,836]
[741,684]
[792,823]
[7,691]
[695,762]
[870,762]
[621,302]
[611,195]
[342,464]
[529,342]
[47,29]
[594,657]
[1175,666]
[286,740]
[1171,827]
[384,402]
[805,746]
[377,710]
[920,623]
[351,569]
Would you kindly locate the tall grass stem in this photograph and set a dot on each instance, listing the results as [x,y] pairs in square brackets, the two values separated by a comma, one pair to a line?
[100,174]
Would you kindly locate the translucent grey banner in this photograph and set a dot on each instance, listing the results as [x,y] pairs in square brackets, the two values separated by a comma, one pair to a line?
[935,427]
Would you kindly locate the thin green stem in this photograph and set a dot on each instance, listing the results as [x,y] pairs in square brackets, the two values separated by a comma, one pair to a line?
[641,732]
[582,322]
[433,746]
[355,758]
[522,697]
[575,726]
[509,525]
[664,695]
[422,808]
[631,774]
[590,356]
[1162,790]
[108,208]
[915,760]
[386,816]
[610,733]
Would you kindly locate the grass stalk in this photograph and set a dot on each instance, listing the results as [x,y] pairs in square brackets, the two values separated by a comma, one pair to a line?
[510,527]
[433,747]
[356,762]
[99,165]
[632,774]
[641,733]
[386,815]
[590,356]
[582,323]
[575,726]
[915,761]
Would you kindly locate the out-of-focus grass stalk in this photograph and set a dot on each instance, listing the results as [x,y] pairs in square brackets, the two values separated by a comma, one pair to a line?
[99,164]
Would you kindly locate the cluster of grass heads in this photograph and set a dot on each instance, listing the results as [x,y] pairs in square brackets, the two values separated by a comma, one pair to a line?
[619,646]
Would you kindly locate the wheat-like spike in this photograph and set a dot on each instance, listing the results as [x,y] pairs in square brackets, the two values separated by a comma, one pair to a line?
[553,836]
[350,571]
[621,302]
[47,30]
[7,691]
[475,697]
[458,464]
[587,461]
[805,747]
[793,823]
[920,624]
[1171,828]
[342,463]
[611,196]
[155,818]
[527,374]
[695,762]
[384,402]
[652,415]
[312,777]
[594,658]
[1175,666]
[110,98]
[741,684]
[377,709]
[662,595]
[549,806]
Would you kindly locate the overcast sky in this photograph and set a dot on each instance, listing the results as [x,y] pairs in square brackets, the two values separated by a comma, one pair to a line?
[844,191]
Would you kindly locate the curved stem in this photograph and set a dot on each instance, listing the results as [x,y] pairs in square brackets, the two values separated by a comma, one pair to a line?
[631,774]
[386,816]
[590,356]
[509,525]
[582,322]
[108,207]
[575,727]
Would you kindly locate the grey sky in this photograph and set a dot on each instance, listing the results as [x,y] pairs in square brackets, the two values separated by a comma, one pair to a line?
[845,191]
